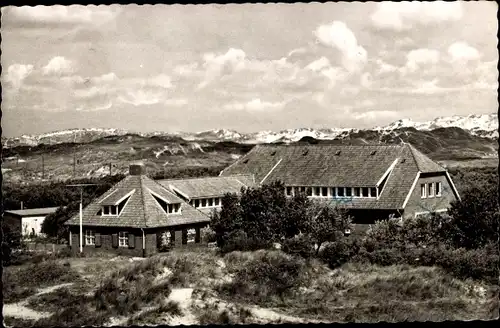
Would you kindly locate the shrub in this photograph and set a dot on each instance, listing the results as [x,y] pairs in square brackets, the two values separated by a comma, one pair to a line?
[208,235]
[239,241]
[151,317]
[339,252]
[300,245]
[77,315]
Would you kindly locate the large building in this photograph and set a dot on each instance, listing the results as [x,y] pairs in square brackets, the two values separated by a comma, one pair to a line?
[372,181]
[135,217]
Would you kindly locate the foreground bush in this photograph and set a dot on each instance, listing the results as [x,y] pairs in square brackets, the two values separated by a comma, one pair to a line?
[299,245]
[268,276]
[339,252]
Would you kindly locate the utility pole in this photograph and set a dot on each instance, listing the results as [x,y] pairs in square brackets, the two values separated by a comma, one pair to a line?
[81,185]
[74,164]
[110,169]
[43,167]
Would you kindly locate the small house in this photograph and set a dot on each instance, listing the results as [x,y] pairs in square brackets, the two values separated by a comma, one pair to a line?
[27,221]
[137,217]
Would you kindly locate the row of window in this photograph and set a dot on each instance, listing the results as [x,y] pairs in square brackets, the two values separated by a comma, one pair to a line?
[110,210]
[205,202]
[122,238]
[168,237]
[333,191]
[430,190]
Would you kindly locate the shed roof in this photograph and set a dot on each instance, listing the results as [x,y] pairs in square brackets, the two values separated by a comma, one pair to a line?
[33,211]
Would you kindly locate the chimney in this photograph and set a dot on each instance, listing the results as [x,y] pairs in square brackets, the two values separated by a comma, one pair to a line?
[137,169]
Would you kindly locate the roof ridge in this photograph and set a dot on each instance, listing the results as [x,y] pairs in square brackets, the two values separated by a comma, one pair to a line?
[200,178]
[143,200]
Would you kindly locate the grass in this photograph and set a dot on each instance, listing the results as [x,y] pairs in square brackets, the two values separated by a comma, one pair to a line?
[154,316]
[54,301]
[18,323]
[212,314]
[23,281]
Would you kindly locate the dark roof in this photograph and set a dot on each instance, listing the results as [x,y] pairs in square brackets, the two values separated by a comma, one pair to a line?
[141,209]
[33,211]
[339,166]
[208,186]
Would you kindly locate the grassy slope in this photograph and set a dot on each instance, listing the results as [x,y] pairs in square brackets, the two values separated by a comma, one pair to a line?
[122,289]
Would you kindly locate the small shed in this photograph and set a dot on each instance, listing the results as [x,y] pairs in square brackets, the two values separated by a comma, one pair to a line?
[27,221]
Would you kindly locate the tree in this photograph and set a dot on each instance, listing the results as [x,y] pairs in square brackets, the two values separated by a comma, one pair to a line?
[229,219]
[474,220]
[328,224]
[53,225]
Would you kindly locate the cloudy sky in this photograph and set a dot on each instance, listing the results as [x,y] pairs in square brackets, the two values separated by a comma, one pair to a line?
[245,67]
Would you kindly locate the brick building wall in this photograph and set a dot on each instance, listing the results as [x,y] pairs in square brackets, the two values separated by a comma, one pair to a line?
[416,204]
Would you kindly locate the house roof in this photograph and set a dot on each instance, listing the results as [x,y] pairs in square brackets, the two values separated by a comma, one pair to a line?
[340,166]
[208,186]
[141,210]
[33,211]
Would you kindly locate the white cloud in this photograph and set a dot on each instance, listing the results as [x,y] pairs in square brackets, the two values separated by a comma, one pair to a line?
[384,67]
[74,14]
[421,57]
[255,105]
[405,15]
[219,65]
[338,36]
[319,64]
[140,97]
[176,102]
[374,115]
[58,66]
[16,74]
[461,51]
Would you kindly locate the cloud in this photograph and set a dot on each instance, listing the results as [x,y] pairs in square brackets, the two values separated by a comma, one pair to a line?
[255,105]
[176,102]
[421,58]
[58,66]
[218,65]
[461,51]
[338,36]
[405,15]
[16,74]
[63,15]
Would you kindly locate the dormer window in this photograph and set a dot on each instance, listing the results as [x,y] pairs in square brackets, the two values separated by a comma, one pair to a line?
[114,203]
[110,210]
[169,208]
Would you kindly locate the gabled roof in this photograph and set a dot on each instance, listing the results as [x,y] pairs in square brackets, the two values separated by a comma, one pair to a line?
[340,166]
[33,211]
[141,210]
[208,186]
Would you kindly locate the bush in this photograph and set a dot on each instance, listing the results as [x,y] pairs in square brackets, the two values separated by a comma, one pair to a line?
[339,252]
[268,275]
[300,245]
[152,317]
[239,241]
[208,235]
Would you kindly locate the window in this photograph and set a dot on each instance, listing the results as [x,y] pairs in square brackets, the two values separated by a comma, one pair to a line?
[217,201]
[365,191]
[423,193]
[166,238]
[317,191]
[196,203]
[303,189]
[123,239]
[340,192]
[203,203]
[431,189]
[438,189]
[357,192]
[105,210]
[289,191]
[309,191]
[210,202]
[373,192]
[109,210]
[113,210]
[348,192]
[324,191]
[89,237]
[191,235]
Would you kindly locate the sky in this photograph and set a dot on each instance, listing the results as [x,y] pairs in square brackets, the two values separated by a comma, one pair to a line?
[247,67]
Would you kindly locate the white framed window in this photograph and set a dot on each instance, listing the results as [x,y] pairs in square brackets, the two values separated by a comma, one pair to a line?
[365,192]
[210,202]
[423,191]
[373,192]
[89,237]
[438,189]
[348,192]
[166,238]
[357,192]
[217,201]
[431,189]
[123,239]
[317,191]
[340,192]
[203,203]
[109,210]
[196,203]
[191,235]
[289,191]
[324,191]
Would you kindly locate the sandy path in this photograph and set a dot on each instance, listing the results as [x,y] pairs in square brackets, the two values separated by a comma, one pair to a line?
[183,297]
[19,309]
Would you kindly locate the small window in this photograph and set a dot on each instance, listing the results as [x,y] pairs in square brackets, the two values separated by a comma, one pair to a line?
[309,191]
[348,192]
[423,193]
[365,191]
[217,201]
[210,202]
[357,192]
[177,208]
[438,189]
[166,238]
[123,239]
[340,192]
[431,189]
[113,210]
[191,235]
[89,237]
[324,191]
[196,203]
[373,192]
[317,191]
[203,203]
[105,210]
[303,189]
[333,192]
[289,191]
